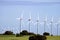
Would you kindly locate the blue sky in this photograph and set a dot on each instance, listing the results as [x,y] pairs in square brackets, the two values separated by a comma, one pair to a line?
[12,9]
[35,0]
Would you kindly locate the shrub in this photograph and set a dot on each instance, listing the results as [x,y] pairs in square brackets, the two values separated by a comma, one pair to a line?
[17,35]
[31,33]
[8,33]
[51,34]
[24,32]
[46,34]
[37,37]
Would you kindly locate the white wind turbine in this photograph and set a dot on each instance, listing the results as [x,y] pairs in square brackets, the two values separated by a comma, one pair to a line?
[37,23]
[45,21]
[20,20]
[58,23]
[51,24]
[29,21]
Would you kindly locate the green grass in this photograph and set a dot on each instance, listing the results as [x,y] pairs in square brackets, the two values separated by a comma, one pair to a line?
[12,37]
[53,37]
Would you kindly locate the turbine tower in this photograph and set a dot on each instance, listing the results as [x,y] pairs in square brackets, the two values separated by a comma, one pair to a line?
[29,21]
[37,23]
[20,20]
[45,20]
[51,24]
[58,26]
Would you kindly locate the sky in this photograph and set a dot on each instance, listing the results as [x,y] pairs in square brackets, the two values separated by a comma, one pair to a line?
[12,9]
[35,0]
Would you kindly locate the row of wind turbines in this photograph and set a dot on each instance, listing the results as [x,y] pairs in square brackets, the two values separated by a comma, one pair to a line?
[37,23]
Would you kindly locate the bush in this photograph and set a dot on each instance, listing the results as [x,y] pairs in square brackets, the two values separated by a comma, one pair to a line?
[37,37]
[24,32]
[32,38]
[46,34]
[17,35]
[8,33]
[31,33]
[51,34]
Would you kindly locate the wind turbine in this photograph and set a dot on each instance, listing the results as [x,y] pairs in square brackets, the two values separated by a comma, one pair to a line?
[29,21]
[51,24]
[58,26]
[20,20]
[45,20]
[37,23]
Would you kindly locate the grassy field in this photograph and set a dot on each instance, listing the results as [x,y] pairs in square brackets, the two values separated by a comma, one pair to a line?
[12,37]
[53,37]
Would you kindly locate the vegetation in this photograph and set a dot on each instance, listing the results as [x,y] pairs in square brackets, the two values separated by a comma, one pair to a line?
[17,35]
[12,37]
[8,33]
[24,32]
[25,35]
[37,37]
[46,34]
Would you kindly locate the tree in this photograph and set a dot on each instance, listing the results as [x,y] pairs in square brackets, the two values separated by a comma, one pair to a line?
[8,33]
[46,34]
[24,32]
[17,35]
[37,37]
[30,33]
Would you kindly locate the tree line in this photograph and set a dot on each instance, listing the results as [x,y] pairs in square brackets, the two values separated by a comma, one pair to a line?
[33,36]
